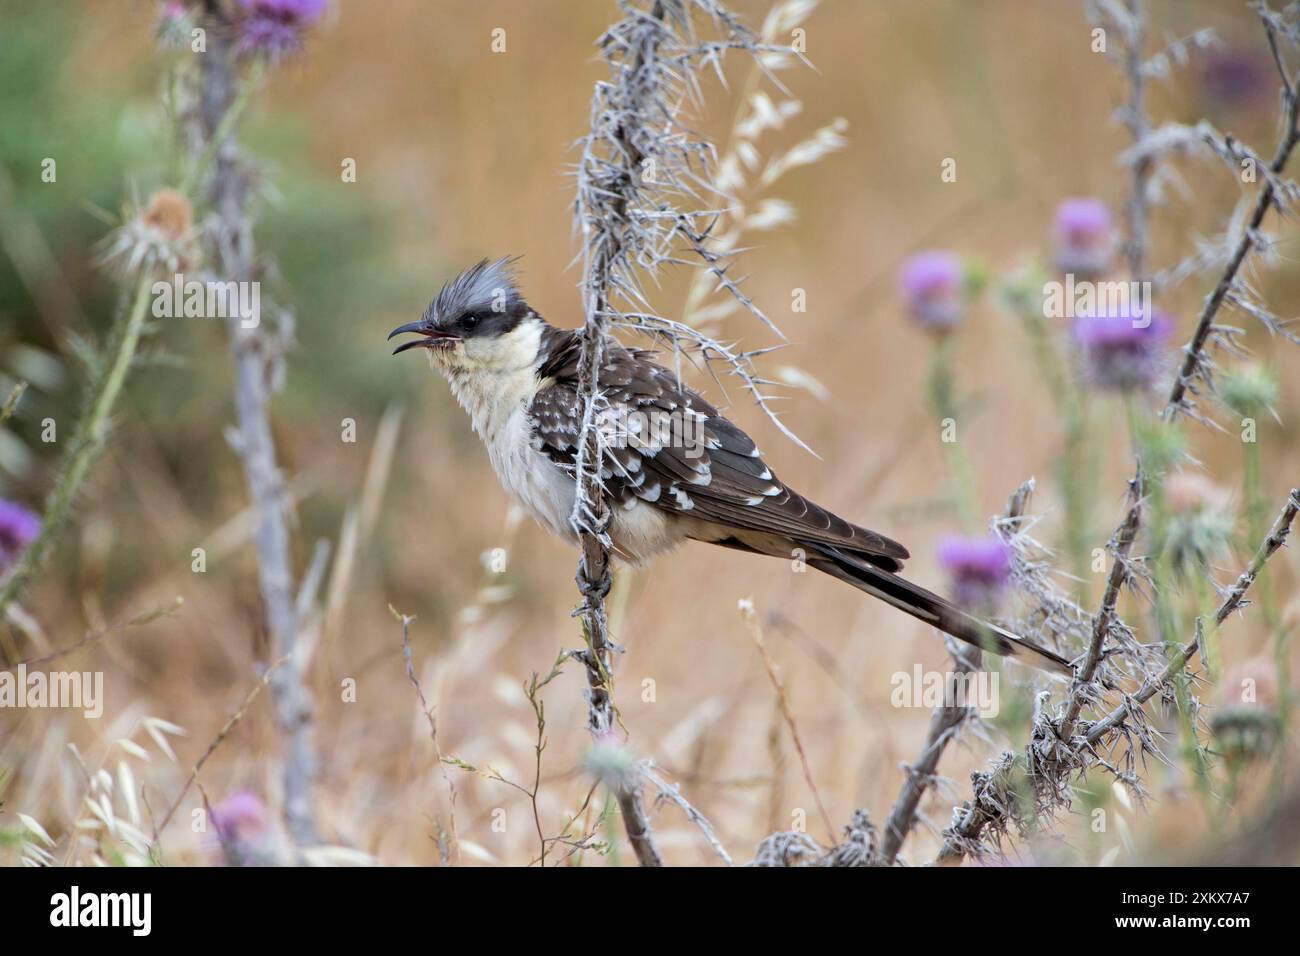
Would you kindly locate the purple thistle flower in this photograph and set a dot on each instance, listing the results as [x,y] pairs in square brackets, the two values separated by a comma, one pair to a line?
[933,285]
[979,569]
[246,831]
[18,527]
[1236,77]
[273,28]
[240,816]
[1084,237]
[1121,347]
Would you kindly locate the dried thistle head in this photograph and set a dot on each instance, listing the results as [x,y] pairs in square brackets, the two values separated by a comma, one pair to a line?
[1245,725]
[612,762]
[157,240]
[1198,523]
[170,212]
[1236,78]
[1244,734]
[1248,389]
[860,846]
[788,848]
[1190,492]
[1250,683]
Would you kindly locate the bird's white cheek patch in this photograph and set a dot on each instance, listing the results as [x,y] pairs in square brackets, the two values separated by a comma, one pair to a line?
[478,353]
[446,356]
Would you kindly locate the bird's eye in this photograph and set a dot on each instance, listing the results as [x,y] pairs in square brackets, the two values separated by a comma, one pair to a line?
[469,322]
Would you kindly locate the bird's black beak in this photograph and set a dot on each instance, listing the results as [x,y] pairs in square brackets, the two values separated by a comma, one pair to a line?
[433,338]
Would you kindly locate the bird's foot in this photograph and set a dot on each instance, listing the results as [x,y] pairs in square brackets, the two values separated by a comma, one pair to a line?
[593,591]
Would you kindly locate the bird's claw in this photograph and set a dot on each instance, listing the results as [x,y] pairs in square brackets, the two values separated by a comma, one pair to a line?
[593,591]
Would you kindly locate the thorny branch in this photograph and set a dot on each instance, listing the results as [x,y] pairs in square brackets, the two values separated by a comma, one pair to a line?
[256,361]
[1194,363]
[1236,596]
[1135,118]
[945,724]
[990,804]
[639,170]
[673,793]
[1120,546]
[604,219]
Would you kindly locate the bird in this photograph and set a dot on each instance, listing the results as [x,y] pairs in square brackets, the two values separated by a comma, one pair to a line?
[673,469]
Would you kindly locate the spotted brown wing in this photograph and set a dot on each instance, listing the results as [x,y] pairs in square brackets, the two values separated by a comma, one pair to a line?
[669,447]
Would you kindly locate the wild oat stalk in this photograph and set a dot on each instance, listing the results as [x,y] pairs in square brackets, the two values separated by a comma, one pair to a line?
[409,660]
[741,173]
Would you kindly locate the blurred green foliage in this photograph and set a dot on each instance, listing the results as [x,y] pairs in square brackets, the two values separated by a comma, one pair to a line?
[319,239]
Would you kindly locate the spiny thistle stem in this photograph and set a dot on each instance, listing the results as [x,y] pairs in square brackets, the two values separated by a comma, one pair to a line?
[1136,212]
[640,172]
[254,359]
[11,403]
[1289,138]
[1122,540]
[591,511]
[229,121]
[945,723]
[944,404]
[1121,544]
[88,440]
[1276,539]
[1075,468]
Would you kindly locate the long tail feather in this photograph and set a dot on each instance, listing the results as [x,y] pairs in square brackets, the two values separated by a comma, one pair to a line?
[934,610]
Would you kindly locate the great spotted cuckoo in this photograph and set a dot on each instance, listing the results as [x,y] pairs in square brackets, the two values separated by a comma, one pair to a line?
[674,468]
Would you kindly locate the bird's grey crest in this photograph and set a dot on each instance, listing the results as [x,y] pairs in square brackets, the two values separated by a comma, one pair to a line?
[488,287]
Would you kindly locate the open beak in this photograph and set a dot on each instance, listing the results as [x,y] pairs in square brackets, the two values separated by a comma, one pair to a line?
[433,338]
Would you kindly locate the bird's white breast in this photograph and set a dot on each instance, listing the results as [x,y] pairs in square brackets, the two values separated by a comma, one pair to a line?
[495,382]
[539,484]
